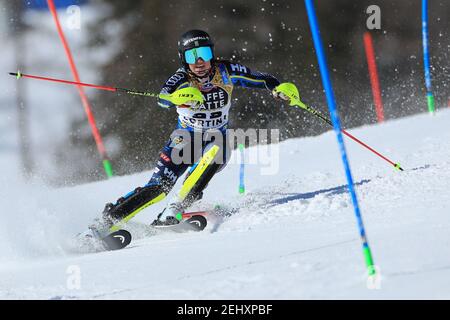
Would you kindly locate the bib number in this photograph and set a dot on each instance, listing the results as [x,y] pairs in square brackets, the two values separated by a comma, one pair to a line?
[203,116]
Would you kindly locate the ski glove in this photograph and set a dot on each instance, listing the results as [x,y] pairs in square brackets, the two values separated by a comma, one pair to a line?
[183,96]
[288,91]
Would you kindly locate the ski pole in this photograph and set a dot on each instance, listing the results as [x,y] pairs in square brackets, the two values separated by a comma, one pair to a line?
[321,116]
[290,90]
[178,97]
[19,75]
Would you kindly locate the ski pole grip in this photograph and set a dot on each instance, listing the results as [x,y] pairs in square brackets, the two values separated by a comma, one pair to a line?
[17,74]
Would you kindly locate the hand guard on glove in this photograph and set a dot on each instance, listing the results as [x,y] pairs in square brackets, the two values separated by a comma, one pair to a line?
[188,96]
[288,92]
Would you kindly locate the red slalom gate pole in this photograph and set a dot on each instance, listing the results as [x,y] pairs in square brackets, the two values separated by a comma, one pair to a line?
[373,73]
[87,107]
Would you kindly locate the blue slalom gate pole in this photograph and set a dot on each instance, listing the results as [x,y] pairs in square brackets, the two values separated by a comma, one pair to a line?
[241,170]
[337,128]
[426,57]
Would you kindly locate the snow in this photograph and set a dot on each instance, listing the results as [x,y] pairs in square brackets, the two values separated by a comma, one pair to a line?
[295,236]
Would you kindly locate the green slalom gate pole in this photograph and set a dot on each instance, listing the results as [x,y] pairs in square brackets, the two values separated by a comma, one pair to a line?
[108,168]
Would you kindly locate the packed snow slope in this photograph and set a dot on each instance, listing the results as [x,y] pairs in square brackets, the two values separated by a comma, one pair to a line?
[295,236]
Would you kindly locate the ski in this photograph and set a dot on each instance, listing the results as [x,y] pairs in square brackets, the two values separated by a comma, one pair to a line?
[190,221]
[117,240]
[93,241]
[194,221]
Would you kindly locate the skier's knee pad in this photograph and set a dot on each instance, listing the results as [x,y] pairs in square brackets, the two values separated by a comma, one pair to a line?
[223,155]
[196,192]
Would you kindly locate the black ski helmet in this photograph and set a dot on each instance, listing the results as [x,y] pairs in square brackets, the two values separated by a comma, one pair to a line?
[193,39]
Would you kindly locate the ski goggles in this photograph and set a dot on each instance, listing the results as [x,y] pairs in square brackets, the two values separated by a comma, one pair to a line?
[191,56]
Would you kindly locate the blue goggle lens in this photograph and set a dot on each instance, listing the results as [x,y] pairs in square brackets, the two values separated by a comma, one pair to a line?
[191,56]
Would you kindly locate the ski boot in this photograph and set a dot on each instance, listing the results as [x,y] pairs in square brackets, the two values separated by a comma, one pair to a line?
[100,226]
[172,215]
